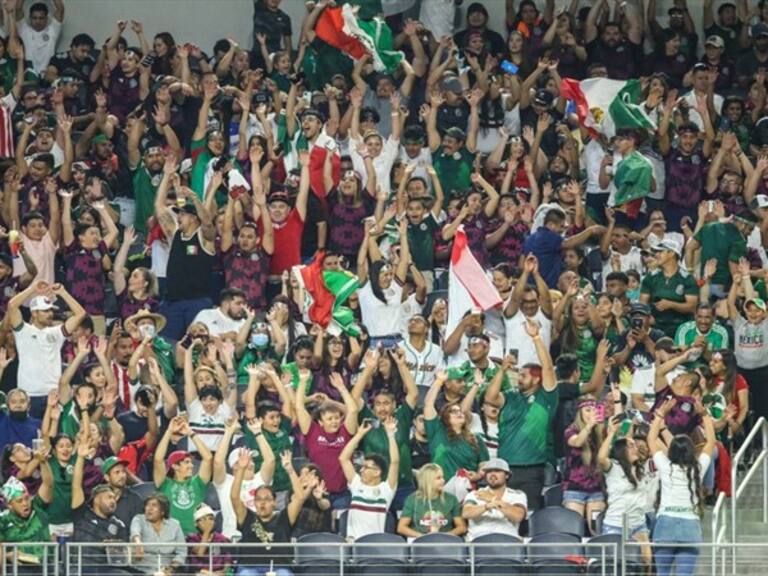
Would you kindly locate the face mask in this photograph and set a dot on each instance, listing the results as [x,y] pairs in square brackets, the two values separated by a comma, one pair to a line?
[259,340]
[633,295]
[147,330]
[18,415]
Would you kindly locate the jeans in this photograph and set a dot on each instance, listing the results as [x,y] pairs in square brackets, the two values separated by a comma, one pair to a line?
[677,555]
[179,314]
[340,500]
[261,571]
[709,476]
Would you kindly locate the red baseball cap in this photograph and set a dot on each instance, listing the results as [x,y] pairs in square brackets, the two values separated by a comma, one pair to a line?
[175,457]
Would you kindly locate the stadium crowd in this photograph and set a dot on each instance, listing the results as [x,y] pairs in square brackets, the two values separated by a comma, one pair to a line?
[230,278]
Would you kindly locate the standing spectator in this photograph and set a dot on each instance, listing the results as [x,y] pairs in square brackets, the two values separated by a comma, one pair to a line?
[40,34]
[39,342]
[372,492]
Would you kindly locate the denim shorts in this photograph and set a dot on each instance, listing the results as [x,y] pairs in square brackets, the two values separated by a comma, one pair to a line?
[633,532]
[581,497]
[673,530]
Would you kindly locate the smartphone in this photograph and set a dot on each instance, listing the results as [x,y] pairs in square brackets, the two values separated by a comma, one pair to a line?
[37,444]
[710,206]
[600,412]
[637,323]
[509,67]
[367,422]
[515,353]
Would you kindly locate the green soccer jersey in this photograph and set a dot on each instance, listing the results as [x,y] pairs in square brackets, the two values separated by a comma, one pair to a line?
[185,497]
[421,240]
[525,423]
[280,441]
[716,338]
[377,442]
[453,454]
[144,191]
[438,512]
[674,288]
[454,172]
[467,370]
[14,528]
[724,243]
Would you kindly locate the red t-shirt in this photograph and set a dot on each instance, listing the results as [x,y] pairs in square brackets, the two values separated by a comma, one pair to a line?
[739,385]
[323,450]
[287,244]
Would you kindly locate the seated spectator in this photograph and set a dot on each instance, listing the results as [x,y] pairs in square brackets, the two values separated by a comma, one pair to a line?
[198,556]
[25,519]
[495,509]
[153,527]
[431,509]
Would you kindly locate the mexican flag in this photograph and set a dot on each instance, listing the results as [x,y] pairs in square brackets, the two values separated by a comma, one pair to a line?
[468,285]
[341,28]
[323,146]
[325,292]
[603,105]
[632,178]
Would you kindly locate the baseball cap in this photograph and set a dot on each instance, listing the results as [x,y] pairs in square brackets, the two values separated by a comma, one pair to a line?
[759,302]
[761,201]
[479,339]
[715,40]
[759,29]
[313,112]
[279,197]
[202,511]
[100,489]
[543,97]
[457,133]
[41,303]
[175,457]
[639,308]
[668,244]
[111,462]
[747,217]
[496,464]
[188,209]
[454,85]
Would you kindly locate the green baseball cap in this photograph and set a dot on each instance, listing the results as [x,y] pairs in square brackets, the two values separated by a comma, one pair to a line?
[110,463]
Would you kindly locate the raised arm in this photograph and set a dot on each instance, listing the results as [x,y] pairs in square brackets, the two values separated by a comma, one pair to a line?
[548,380]
[430,412]
[345,458]
[302,416]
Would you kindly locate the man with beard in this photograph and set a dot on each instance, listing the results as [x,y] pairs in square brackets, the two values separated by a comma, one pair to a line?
[494,509]
[147,168]
[621,55]
[39,342]
[24,519]
[227,318]
[98,524]
[17,425]
[127,503]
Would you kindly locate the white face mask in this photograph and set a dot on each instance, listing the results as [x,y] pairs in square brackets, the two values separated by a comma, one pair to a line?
[147,330]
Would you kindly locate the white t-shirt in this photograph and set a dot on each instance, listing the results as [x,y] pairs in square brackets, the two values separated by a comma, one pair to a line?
[368,508]
[39,358]
[693,114]
[217,322]
[518,338]
[438,16]
[381,319]
[592,158]
[39,47]
[623,498]
[247,495]
[382,164]
[494,521]
[496,349]
[632,260]
[491,437]
[408,309]
[421,162]
[210,427]
[676,498]
[423,364]
[644,382]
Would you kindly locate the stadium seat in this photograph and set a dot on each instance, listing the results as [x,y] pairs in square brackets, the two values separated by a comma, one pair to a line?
[556,553]
[553,495]
[556,519]
[320,554]
[372,559]
[144,490]
[498,555]
[612,556]
[431,556]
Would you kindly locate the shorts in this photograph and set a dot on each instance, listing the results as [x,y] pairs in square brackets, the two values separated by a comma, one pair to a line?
[633,532]
[581,497]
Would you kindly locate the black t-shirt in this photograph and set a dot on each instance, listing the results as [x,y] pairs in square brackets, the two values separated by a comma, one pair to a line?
[639,357]
[316,215]
[312,519]
[549,142]
[273,24]
[452,117]
[129,505]
[565,414]
[622,61]
[90,527]
[256,531]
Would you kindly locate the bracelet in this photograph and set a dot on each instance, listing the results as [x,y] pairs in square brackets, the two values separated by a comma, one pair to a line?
[258,434]
[393,114]
[192,434]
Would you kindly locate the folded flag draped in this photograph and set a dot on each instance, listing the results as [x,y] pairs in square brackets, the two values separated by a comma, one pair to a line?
[468,285]
[325,292]
[603,105]
[341,28]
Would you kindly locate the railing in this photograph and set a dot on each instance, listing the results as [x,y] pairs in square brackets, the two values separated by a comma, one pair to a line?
[342,558]
[20,557]
[737,487]
[718,532]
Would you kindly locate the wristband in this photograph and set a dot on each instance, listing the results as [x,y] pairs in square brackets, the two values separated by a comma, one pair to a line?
[192,434]
[258,434]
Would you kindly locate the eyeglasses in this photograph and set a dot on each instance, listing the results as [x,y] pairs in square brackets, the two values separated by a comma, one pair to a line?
[456,410]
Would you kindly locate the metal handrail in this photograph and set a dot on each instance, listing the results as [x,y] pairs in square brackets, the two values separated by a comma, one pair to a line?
[716,533]
[738,488]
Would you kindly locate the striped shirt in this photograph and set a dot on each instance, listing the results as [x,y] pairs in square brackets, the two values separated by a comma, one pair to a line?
[423,364]
[7,106]
[368,508]
[210,427]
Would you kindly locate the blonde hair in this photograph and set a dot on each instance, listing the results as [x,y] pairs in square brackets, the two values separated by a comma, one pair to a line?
[595,439]
[425,482]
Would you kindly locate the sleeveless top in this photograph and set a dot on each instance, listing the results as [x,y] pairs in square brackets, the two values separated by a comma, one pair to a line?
[189,268]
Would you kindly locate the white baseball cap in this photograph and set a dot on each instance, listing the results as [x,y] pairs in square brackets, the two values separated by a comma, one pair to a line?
[41,303]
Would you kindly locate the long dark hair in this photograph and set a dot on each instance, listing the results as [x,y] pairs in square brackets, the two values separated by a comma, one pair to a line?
[633,471]
[682,453]
[731,373]
[373,278]
[466,434]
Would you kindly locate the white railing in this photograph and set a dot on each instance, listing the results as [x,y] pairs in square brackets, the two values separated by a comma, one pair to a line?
[718,532]
[21,558]
[738,488]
